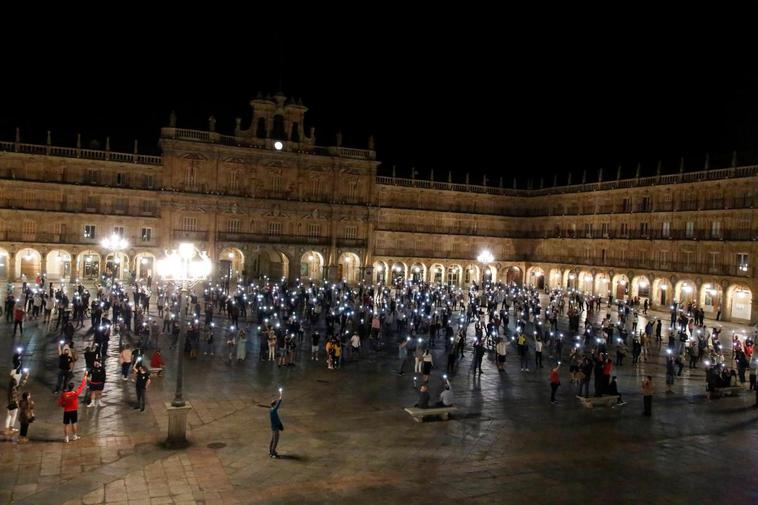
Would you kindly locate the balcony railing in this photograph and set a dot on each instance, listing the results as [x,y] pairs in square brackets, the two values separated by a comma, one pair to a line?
[198,236]
[676,234]
[258,143]
[651,264]
[458,255]
[266,238]
[67,238]
[74,207]
[75,152]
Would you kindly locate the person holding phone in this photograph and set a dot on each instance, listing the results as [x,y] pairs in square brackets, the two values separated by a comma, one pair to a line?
[69,400]
[446,396]
[555,381]
[276,425]
[141,383]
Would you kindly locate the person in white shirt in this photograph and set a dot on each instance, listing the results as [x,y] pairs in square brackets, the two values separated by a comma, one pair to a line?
[446,396]
[501,349]
[49,305]
[355,344]
[538,352]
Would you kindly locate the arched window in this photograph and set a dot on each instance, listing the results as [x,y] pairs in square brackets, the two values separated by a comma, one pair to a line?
[295,132]
[279,132]
[260,131]
[190,176]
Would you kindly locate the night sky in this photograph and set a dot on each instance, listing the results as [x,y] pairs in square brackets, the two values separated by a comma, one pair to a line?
[516,93]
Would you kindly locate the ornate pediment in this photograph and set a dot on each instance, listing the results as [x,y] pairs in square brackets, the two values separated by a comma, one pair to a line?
[273,163]
[275,211]
[193,156]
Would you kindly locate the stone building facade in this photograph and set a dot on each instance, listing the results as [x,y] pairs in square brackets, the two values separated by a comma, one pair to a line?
[267,201]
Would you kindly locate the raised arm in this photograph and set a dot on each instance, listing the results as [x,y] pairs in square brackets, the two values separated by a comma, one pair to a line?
[81,386]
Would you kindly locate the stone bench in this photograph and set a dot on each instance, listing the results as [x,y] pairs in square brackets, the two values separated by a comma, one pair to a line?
[419,414]
[727,391]
[605,400]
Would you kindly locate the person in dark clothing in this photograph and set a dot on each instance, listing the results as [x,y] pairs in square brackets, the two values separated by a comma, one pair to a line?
[141,382]
[478,355]
[90,353]
[423,397]
[647,395]
[65,363]
[613,390]
[96,384]
[598,366]
[452,356]
[276,425]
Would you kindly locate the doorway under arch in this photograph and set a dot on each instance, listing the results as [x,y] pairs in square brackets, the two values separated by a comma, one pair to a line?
[536,277]
[269,263]
[349,267]
[28,264]
[312,265]
[88,265]
[58,265]
[380,272]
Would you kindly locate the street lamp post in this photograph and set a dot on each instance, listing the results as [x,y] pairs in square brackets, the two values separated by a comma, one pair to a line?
[185,267]
[114,244]
[485,258]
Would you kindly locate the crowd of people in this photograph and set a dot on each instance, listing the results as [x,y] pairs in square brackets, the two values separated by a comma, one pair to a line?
[342,323]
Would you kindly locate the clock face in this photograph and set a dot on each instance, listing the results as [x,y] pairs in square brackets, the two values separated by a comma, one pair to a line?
[278,145]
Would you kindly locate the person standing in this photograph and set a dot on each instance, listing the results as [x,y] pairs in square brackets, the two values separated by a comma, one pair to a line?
[538,353]
[647,395]
[271,344]
[555,381]
[669,373]
[96,384]
[12,406]
[276,425]
[25,416]
[523,351]
[142,382]
[418,356]
[69,400]
[315,338]
[501,351]
[241,345]
[125,359]
[478,355]
[426,365]
[65,365]
[402,354]
[18,319]
[355,344]
[452,356]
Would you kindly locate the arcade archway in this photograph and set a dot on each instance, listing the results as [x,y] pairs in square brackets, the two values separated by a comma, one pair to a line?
[380,272]
[312,266]
[269,263]
[349,265]
[536,277]
[28,264]
[740,302]
[88,265]
[710,299]
[58,265]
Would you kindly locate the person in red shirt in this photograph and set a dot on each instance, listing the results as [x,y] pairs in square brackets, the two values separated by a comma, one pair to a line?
[18,318]
[555,381]
[156,362]
[69,400]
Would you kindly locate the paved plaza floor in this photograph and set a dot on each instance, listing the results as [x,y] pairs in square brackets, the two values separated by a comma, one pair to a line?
[348,440]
